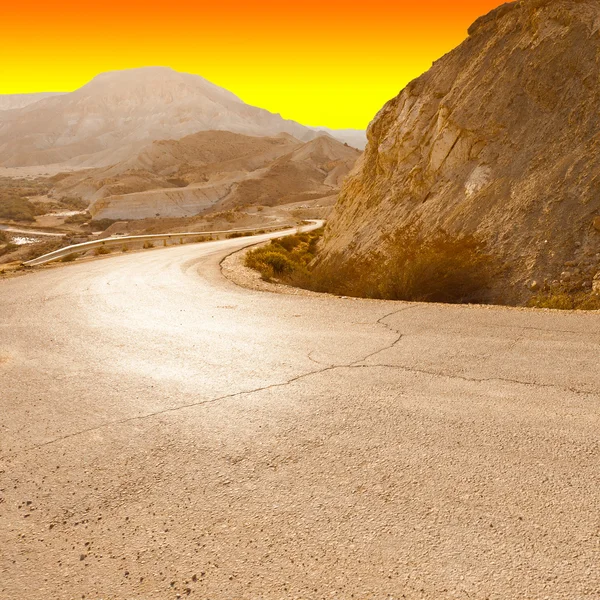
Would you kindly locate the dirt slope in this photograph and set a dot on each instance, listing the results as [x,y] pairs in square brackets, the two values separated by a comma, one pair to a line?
[500,137]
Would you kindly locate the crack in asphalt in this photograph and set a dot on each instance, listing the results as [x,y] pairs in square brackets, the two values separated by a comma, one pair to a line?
[170,410]
[474,379]
[358,364]
[220,398]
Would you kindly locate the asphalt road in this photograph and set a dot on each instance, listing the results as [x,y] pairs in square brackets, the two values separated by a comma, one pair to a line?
[164,432]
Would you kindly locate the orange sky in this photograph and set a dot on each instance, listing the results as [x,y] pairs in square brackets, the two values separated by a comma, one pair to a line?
[328,63]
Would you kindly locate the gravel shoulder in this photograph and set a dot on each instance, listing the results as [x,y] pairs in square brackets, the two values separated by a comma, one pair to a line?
[233,268]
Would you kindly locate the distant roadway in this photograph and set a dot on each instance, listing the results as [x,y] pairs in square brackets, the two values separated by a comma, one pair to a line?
[165,433]
[33,232]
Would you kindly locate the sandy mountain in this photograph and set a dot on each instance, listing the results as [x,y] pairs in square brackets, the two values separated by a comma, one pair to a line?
[212,170]
[118,113]
[11,101]
[500,138]
[357,138]
[177,163]
[314,169]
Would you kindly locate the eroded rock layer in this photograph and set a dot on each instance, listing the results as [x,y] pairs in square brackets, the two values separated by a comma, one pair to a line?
[501,138]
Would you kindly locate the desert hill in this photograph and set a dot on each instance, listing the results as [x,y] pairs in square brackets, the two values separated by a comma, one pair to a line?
[12,101]
[116,114]
[499,138]
[356,138]
[214,170]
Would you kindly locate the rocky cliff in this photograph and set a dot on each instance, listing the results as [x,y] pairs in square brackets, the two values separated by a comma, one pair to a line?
[501,138]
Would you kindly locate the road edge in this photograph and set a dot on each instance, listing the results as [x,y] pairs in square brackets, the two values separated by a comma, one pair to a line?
[233,269]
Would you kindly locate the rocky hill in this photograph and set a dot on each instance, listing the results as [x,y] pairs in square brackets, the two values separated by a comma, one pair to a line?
[499,138]
[11,101]
[118,113]
[214,170]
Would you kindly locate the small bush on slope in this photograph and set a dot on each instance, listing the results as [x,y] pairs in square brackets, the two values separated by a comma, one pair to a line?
[410,266]
[563,300]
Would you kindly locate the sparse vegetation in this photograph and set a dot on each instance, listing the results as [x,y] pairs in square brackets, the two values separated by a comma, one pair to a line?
[74,203]
[239,234]
[149,244]
[563,299]
[286,257]
[102,250]
[16,208]
[69,257]
[228,215]
[411,266]
[15,195]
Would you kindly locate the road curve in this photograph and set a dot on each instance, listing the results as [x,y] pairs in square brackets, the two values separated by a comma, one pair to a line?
[165,433]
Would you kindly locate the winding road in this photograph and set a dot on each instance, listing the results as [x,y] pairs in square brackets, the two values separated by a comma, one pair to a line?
[165,434]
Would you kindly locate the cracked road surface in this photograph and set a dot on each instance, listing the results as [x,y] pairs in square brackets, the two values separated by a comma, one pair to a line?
[165,433]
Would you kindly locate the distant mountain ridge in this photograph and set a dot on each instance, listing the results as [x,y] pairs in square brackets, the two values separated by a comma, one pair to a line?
[12,101]
[117,113]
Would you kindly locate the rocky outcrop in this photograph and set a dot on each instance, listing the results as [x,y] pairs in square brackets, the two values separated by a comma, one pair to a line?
[500,138]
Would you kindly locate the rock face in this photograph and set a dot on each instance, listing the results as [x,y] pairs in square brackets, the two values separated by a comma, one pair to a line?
[212,170]
[118,113]
[501,137]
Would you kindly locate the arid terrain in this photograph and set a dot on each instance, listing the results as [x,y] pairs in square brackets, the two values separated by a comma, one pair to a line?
[116,114]
[150,151]
[214,170]
[207,181]
[166,433]
[318,389]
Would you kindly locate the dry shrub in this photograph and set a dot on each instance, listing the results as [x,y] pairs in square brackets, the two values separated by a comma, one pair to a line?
[411,265]
[100,224]
[563,300]
[102,250]
[437,267]
[8,248]
[287,258]
[270,263]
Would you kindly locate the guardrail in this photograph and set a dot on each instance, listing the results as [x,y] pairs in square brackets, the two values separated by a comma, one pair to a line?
[120,240]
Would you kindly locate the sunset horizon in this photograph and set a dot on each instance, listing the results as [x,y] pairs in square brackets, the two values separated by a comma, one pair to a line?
[305,63]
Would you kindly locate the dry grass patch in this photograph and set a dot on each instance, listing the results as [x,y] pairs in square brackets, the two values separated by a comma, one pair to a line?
[410,266]
[564,299]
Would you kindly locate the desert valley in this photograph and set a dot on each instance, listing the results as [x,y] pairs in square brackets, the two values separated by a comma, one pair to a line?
[151,151]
